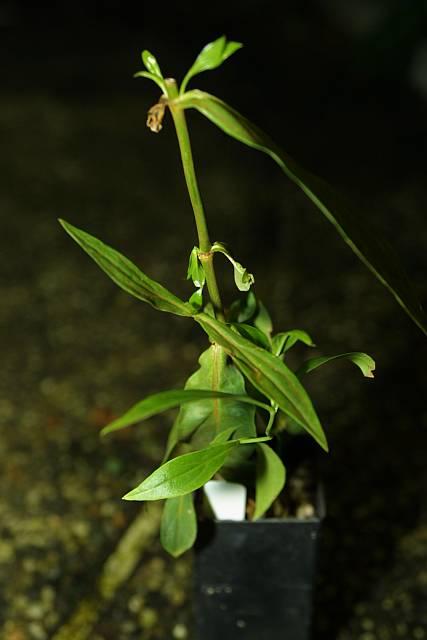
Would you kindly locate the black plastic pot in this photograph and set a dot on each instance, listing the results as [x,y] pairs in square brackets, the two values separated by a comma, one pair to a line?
[254,580]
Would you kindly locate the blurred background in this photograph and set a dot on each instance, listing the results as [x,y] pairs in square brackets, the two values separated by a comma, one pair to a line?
[342,86]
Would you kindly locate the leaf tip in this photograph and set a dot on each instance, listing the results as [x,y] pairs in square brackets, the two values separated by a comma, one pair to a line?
[129,496]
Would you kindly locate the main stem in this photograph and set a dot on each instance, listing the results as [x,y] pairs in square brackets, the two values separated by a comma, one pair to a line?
[205,245]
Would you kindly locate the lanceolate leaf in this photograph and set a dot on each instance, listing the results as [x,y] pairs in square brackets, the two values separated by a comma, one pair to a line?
[285,340]
[159,402]
[270,479]
[211,57]
[365,363]
[127,275]
[204,419]
[195,271]
[253,334]
[263,320]
[178,528]
[268,374]
[151,64]
[355,230]
[243,310]
[183,474]
[151,76]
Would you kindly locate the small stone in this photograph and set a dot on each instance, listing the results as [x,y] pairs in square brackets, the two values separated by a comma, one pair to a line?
[7,552]
[305,510]
[180,631]
[81,529]
[388,604]
[148,618]
[29,565]
[36,631]
[47,595]
[177,597]
[35,611]
[128,627]
[135,603]
[51,619]
[367,624]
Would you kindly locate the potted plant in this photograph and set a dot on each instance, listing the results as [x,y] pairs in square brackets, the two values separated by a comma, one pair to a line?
[237,409]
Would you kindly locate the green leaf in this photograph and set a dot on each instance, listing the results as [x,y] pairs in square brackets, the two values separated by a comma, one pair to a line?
[255,440]
[165,400]
[196,300]
[348,220]
[365,363]
[145,74]
[127,275]
[268,374]
[270,479]
[285,340]
[151,64]
[223,436]
[206,418]
[263,320]
[243,279]
[211,57]
[253,334]
[178,528]
[242,310]
[195,271]
[183,474]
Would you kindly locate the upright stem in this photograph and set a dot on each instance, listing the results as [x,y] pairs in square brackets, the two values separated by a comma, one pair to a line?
[206,255]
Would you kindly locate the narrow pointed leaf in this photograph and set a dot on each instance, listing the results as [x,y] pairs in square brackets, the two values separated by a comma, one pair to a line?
[365,363]
[270,479]
[211,57]
[223,436]
[151,64]
[285,340]
[263,320]
[151,76]
[243,310]
[255,440]
[196,300]
[268,374]
[195,271]
[165,400]
[348,221]
[253,334]
[183,474]
[127,275]
[178,528]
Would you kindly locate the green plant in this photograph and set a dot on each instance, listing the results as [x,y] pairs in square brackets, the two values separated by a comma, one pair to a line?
[243,380]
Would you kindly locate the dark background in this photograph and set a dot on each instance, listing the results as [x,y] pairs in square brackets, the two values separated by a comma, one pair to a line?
[342,86]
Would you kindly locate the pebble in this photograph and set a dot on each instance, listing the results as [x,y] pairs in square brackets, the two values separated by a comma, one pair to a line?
[180,632]
[35,611]
[36,631]
[148,618]
[7,551]
[135,603]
